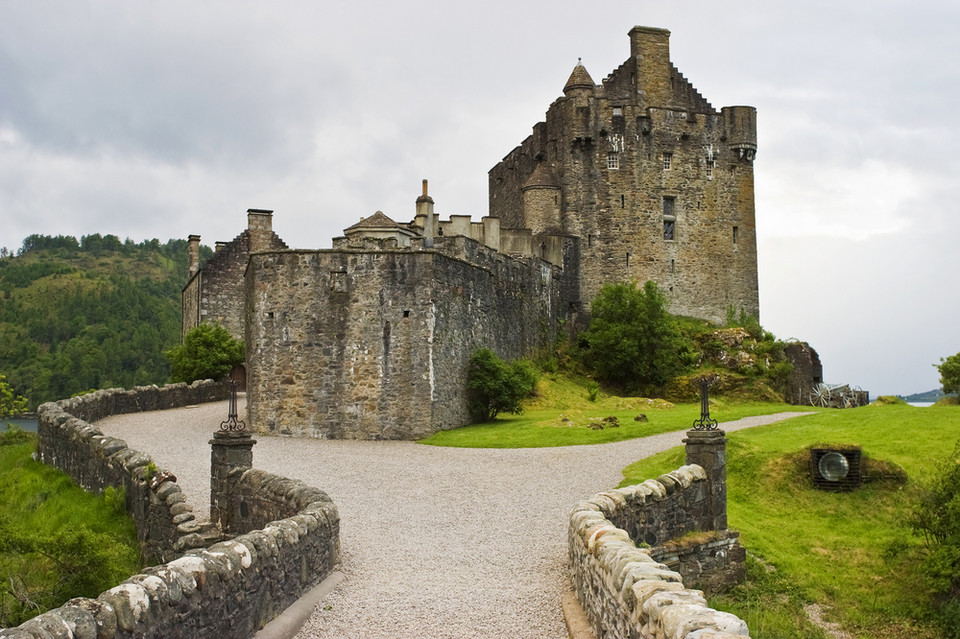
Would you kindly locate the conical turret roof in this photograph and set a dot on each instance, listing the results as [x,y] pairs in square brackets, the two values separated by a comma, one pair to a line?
[542,177]
[579,79]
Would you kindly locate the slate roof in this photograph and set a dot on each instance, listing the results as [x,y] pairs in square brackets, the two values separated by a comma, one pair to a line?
[579,79]
[376,221]
[542,176]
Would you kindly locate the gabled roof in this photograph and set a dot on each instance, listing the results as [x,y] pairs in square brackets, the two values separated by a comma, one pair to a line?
[376,221]
[579,79]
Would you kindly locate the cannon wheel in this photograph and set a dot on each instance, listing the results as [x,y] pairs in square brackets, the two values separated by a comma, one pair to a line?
[820,396]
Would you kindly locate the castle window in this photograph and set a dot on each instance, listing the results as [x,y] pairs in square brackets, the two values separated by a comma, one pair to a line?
[710,165]
[406,313]
[669,218]
[617,112]
[667,160]
[623,201]
[628,259]
[736,233]
[613,160]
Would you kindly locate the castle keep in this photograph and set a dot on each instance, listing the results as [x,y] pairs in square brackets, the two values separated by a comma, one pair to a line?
[638,178]
[644,180]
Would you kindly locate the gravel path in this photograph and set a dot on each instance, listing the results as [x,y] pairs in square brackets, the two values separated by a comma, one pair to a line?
[436,542]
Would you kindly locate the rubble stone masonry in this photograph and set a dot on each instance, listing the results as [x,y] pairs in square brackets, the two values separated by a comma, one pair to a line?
[374,344]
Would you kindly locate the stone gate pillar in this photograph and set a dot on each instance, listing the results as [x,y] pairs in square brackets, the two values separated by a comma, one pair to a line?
[708,448]
[230,450]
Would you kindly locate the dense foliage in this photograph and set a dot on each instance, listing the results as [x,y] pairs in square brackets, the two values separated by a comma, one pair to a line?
[10,403]
[949,368]
[495,386]
[91,313]
[56,541]
[937,518]
[208,351]
[632,340]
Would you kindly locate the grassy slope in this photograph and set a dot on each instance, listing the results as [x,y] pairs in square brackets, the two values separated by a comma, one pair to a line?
[848,551]
[561,413]
[42,502]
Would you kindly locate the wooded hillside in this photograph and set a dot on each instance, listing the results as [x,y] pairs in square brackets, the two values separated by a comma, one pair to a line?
[94,313]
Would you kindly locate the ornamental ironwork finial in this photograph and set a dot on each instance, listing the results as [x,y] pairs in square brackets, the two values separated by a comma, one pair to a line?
[232,424]
[705,422]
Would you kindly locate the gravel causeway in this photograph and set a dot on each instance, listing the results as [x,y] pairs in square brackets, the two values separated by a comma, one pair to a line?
[436,542]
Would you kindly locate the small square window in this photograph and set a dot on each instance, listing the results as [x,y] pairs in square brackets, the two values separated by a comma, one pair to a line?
[667,160]
[617,112]
[613,160]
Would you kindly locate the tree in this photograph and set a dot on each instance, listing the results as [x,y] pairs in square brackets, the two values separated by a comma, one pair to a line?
[208,352]
[10,403]
[632,339]
[950,373]
[495,386]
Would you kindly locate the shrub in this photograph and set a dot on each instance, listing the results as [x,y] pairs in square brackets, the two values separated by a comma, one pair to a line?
[632,339]
[949,373]
[44,570]
[208,352]
[937,518]
[10,403]
[495,386]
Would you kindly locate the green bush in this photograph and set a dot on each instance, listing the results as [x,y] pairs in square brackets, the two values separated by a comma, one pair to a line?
[937,518]
[632,340]
[44,570]
[10,403]
[208,352]
[949,373]
[495,386]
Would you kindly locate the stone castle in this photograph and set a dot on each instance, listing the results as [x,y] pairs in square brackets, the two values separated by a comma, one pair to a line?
[638,178]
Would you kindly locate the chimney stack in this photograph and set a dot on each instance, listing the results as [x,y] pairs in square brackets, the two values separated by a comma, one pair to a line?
[260,226]
[193,254]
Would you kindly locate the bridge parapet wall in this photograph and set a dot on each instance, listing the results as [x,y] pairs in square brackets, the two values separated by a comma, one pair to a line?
[290,537]
[625,589]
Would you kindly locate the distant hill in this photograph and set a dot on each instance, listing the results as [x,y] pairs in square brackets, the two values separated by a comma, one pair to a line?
[929,396]
[91,313]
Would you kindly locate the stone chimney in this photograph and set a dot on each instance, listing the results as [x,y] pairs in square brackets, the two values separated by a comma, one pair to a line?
[425,218]
[260,226]
[193,254]
[650,50]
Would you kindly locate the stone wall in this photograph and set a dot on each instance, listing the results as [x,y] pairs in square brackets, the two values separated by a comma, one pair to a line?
[229,590]
[166,525]
[374,343]
[290,540]
[624,589]
[807,372]
[215,292]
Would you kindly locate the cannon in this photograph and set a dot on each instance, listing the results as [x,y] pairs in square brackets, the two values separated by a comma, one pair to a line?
[838,396]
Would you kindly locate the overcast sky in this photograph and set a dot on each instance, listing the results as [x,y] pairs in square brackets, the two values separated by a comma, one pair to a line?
[162,119]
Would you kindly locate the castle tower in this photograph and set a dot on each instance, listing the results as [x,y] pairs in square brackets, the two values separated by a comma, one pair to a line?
[651,183]
[541,200]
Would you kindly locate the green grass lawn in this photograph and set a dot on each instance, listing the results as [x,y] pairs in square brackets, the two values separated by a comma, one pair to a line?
[56,540]
[849,552]
[560,415]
